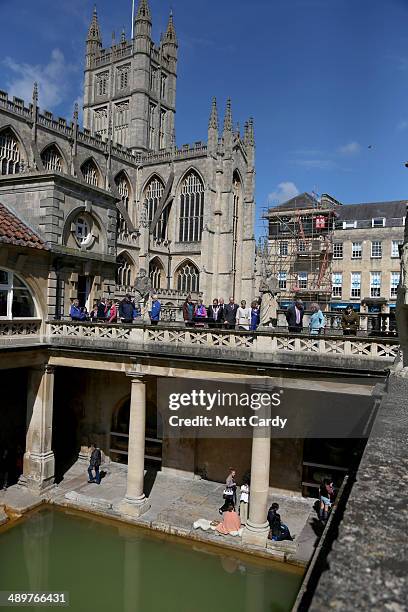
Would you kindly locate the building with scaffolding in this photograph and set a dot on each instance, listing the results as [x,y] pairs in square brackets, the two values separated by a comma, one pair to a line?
[299,247]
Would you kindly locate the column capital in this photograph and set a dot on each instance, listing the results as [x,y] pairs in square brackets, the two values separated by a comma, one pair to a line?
[135,377]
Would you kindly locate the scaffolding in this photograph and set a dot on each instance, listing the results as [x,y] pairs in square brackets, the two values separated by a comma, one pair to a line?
[297,247]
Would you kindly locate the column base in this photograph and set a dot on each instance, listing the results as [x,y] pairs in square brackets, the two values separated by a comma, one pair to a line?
[38,472]
[133,508]
[256,534]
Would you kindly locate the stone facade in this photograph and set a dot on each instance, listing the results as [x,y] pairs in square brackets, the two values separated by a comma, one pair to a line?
[353,258]
[93,194]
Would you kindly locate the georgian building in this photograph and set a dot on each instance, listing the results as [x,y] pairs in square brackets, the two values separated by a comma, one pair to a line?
[337,254]
[119,195]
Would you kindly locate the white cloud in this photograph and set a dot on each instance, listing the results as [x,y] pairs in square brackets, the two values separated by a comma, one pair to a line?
[351,148]
[284,191]
[319,164]
[52,79]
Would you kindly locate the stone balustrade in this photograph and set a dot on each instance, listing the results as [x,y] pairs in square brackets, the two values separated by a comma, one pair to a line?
[19,331]
[378,353]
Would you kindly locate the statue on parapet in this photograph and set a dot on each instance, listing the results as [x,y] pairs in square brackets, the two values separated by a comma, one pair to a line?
[268,288]
[400,366]
[143,288]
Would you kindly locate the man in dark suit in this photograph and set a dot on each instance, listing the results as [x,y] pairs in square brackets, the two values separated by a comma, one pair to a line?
[294,317]
[230,314]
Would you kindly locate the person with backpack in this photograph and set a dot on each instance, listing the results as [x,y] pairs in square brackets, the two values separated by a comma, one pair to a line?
[317,320]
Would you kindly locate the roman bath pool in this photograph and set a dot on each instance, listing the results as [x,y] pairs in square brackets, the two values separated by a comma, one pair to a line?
[113,567]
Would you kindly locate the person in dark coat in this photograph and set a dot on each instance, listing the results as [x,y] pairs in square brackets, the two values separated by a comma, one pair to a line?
[188,311]
[230,314]
[221,312]
[101,309]
[294,317]
[278,531]
[349,321]
[126,309]
[94,463]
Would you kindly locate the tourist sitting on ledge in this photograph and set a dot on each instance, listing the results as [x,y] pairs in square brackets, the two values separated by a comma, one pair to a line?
[230,524]
[277,530]
[76,312]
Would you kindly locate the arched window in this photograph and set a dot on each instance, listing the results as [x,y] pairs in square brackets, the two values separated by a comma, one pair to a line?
[156,274]
[236,192]
[153,195]
[52,159]
[90,172]
[188,278]
[123,186]
[15,297]
[10,153]
[124,271]
[191,208]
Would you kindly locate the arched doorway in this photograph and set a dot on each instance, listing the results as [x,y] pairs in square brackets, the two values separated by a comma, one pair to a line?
[119,434]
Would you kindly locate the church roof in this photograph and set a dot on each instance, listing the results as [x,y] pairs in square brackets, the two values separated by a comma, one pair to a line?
[14,231]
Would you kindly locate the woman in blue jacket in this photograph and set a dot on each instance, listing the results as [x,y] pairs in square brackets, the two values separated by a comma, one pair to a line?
[155,311]
[317,321]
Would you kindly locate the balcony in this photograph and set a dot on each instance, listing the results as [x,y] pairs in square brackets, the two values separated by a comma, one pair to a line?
[263,348]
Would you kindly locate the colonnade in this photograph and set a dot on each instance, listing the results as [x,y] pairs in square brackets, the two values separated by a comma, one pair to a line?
[39,462]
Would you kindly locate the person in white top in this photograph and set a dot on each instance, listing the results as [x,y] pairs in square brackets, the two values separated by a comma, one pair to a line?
[243,316]
[244,502]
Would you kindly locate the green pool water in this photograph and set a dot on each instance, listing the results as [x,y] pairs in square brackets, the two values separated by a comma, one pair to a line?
[107,566]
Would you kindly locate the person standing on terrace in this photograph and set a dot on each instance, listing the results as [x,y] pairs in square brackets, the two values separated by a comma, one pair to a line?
[75,312]
[155,310]
[294,316]
[316,322]
[230,314]
[188,310]
[349,321]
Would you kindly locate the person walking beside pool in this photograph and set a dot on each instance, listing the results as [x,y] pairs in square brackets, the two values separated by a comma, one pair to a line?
[317,321]
[94,463]
[244,502]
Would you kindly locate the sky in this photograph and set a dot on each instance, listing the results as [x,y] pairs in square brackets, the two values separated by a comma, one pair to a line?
[325,80]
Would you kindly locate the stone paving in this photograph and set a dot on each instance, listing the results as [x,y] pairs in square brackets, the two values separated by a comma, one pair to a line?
[175,504]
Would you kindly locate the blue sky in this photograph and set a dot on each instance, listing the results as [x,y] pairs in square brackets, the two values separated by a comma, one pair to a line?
[325,80]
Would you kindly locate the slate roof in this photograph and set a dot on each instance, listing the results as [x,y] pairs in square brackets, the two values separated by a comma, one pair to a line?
[369,210]
[14,231]
[303,200]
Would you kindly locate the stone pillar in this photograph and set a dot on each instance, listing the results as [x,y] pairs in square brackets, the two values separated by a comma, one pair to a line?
[257,527]
[135,502]
[39,463]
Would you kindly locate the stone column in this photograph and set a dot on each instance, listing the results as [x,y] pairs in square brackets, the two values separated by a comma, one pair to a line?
[135,502]
[39,463]
[257,527]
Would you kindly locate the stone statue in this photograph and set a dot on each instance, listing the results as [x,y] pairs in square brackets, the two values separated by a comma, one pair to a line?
[268,288]
[143,287]
[401,362]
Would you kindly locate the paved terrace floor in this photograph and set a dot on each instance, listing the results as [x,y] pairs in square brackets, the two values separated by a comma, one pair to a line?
[175,504]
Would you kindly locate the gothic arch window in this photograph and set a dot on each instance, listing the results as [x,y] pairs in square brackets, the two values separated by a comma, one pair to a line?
[16,300]
[10,153]
[156,273]
[90,172]
[187,278]
[153,195]
[191,208]
[124,189]
[237,194]
[52,159]
[124,271]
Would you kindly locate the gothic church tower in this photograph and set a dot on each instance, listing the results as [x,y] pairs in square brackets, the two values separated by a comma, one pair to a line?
[130,88]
